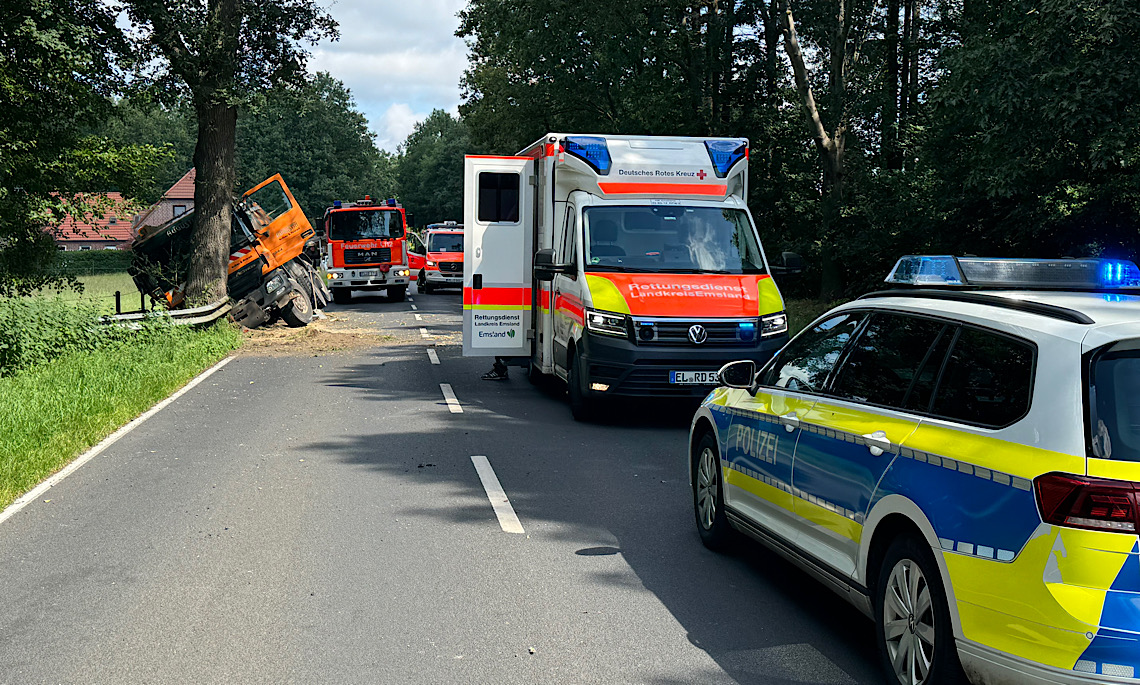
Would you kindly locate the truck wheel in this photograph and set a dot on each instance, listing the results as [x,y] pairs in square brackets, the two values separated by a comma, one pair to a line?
[581,407]
[912,618]
[342,295]
[396,294]
[299,311]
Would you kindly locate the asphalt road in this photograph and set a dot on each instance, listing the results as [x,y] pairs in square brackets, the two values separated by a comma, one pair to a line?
[320,519]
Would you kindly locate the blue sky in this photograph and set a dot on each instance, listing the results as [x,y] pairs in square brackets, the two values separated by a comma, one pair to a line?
[401,60]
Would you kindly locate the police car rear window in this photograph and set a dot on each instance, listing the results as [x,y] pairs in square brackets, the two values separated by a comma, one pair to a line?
[987,380]
[1114,406]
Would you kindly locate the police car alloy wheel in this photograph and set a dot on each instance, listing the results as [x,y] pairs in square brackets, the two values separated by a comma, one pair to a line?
[708,500]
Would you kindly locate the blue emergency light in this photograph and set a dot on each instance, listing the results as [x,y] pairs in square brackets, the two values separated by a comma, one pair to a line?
[391,202]
[336,204]
[591,150]
[746,331]
[1041,274]
[724,153]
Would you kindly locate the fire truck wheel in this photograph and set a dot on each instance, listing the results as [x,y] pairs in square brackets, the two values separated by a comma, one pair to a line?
[341,295]
[580,405]
[299,311]
[397,294]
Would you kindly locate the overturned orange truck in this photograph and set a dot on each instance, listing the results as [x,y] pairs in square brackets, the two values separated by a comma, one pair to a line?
[270,275]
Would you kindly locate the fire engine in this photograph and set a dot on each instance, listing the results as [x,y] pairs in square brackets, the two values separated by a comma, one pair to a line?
[438,263]
[623,265]
[365,248]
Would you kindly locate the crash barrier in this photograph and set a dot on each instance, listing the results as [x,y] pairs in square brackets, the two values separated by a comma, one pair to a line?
[196,316]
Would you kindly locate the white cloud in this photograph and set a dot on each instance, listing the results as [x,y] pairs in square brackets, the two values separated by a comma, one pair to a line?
[401,60]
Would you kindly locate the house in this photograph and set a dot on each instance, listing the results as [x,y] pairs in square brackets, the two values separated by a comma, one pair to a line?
[111,231]
[176,201]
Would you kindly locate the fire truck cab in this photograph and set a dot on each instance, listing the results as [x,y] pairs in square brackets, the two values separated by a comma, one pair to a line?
[440,264]
[623,265]
[365,248]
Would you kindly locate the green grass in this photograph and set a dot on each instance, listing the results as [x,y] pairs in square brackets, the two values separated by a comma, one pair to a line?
[99,292]
[49,414]
[803,312]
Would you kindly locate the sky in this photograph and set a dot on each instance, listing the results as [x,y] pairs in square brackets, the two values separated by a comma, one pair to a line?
[400,59]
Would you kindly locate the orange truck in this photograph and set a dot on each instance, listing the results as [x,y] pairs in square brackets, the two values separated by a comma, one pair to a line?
[269,275]
[366,248]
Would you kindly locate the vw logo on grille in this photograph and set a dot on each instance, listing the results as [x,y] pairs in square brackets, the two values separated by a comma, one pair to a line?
[698,334]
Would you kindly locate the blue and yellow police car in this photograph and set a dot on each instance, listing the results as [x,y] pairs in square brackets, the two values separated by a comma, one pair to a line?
[959,457]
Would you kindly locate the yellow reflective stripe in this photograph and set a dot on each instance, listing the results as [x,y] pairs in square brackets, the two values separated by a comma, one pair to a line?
[825,518]
[759,488]
[825,417]
[769,297]
[992,453]
[496,306]
[1114,468]
[605,295]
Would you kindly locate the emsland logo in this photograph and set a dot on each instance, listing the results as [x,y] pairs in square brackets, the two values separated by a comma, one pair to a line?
[511,333]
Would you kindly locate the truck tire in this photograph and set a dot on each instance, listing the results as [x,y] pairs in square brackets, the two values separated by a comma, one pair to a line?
[299,310]
[397,293]
[341,295]
[581,406]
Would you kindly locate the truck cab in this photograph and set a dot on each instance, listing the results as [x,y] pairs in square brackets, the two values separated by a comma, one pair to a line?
[365,248]
[440,263]
[627,266]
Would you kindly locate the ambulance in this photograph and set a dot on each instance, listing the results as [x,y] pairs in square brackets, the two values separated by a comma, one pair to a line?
[622,265]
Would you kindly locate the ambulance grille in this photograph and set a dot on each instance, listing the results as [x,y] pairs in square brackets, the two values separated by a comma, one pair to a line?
[451,267]
[720,334]
[379,255]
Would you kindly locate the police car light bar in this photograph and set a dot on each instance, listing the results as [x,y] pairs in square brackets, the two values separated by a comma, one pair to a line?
[1065,274]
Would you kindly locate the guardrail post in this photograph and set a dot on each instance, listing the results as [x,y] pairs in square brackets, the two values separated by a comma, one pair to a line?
[142,302]
[118,302]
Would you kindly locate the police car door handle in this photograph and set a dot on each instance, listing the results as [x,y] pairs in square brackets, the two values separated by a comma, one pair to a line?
[877,442]
[790,421]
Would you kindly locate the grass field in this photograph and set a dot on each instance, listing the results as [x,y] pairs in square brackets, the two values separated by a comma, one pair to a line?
[50,414]
[99,292]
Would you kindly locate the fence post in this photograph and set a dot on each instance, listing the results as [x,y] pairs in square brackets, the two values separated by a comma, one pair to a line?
[118,302]
[142,302]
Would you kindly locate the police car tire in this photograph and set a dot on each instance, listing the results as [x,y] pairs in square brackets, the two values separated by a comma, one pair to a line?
[342,295]
[945,668]
[719,534]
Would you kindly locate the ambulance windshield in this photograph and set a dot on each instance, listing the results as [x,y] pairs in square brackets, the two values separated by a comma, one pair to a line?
[671,239]
[365,225]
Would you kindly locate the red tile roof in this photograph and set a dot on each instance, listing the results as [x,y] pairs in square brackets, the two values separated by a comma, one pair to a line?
[115,224]
[183,189]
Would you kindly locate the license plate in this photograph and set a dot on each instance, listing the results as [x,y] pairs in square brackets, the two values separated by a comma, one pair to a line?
[367,274]
[693,377]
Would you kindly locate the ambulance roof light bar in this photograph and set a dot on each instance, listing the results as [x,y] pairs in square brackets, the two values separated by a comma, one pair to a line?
[591,150]
[724,153]
[1029,274]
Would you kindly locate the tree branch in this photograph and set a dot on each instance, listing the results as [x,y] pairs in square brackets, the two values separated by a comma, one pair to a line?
[799,70]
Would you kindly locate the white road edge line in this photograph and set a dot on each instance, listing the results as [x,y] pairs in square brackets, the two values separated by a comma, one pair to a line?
[452,400]
[508,520]
[432,355]
[424,334]
[413,307]
[419,318]
[111,439]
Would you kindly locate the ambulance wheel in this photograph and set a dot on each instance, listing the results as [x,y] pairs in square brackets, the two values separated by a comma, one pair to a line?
[342,295]
[581,407]
[912,618]
[708,495]
[397,294]
[298,312]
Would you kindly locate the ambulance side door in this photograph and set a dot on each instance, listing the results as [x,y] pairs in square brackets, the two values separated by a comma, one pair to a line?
[567,305]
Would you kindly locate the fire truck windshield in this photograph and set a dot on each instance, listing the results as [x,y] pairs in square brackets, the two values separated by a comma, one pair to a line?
[365,224]
[445,242]
[671,239]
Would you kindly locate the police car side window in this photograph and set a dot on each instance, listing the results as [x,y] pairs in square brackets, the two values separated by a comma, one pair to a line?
[885,359]
[805,363]
[987,380]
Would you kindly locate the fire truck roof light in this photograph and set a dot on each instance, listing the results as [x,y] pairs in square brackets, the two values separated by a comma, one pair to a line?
[591,150]
[391,202]
[1069,274]
[336,203]
[724,153]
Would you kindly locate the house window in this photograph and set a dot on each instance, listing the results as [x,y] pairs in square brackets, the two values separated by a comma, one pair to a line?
[179,210]
[112,219]
[84,247]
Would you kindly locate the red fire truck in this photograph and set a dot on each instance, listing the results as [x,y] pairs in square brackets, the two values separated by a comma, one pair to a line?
[366,248]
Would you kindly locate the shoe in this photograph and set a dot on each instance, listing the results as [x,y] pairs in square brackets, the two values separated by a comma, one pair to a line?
[495,375]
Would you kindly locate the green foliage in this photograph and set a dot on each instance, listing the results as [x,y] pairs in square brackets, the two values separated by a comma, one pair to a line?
[430,169]
[172,129]
[315,138]
[51,413]
[88,262]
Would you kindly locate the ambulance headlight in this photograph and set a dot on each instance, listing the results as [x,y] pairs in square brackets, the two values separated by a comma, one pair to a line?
[605,323]
[774,324]
[430,263]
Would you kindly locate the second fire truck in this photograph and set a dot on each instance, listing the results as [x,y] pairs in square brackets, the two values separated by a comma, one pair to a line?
[366,248]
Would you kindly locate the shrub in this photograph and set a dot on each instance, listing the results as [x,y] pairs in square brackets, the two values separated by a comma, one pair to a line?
[88,263]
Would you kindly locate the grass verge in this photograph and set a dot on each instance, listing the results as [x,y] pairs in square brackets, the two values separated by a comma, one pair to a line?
[99,292]
[803,312]
[51,413]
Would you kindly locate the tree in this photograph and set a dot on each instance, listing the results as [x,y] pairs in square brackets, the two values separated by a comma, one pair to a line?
[430,168]
[57,72]
[166,127]
[218,53]
[315,138]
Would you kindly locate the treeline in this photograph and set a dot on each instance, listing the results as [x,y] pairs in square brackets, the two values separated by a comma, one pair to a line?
[877,127]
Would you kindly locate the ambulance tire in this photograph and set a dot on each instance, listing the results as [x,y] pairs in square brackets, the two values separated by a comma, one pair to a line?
[397,294]
[341,295]
[708,495]
[581,407]
[424,287]
[909,570]
[298,312]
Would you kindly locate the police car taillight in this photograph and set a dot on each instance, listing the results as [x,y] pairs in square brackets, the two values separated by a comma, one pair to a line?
[1089,503]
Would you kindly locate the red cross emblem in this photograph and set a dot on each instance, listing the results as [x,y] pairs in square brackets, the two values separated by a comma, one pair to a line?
[701,174]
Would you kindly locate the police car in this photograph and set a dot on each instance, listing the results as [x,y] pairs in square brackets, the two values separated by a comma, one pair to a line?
[959,457]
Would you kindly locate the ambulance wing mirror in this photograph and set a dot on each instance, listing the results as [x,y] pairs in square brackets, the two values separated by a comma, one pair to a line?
[738,374]
[789,264]
[545,268]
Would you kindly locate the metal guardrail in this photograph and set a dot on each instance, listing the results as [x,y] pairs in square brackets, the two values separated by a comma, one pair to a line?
[182,317]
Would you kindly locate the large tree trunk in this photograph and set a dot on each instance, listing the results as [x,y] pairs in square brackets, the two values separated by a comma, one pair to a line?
[890,134]
[213,201]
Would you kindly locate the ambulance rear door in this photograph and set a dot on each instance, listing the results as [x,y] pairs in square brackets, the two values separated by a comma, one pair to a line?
[498,232]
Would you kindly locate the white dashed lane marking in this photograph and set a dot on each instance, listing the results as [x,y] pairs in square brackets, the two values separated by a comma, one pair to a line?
[432,355]
[508,520]
[424,333]
[413,307]
[419,318]
[452,401]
